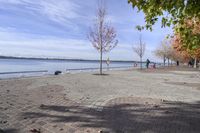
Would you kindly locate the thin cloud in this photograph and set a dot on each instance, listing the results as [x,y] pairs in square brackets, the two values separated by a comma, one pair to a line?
[59,28]
[62,12]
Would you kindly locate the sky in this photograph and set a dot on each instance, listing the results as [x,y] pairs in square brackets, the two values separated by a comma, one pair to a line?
[59,28]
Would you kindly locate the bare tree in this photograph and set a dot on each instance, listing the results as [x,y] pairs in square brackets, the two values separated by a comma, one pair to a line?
[102,35]
[140,50]
[164,51]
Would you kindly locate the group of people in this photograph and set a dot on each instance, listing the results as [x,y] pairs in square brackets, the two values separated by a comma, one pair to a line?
[135,65]
[191,63]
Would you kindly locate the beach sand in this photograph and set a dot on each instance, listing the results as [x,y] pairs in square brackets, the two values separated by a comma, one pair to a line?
[154,100]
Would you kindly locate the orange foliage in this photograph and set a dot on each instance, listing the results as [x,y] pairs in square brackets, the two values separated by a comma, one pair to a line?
[177,42]
[179,53]
[194,24]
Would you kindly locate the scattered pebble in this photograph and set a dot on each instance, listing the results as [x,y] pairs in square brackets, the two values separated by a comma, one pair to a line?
[163,100]
[156,106]
[54,126]
[35,130]
[42,106]
[67,110]
[3,122]
[32,122]
[49,96]
[168,112]
[103,131]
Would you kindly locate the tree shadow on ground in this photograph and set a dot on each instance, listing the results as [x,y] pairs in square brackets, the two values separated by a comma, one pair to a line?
[103,74]
[168,117]
[8,131]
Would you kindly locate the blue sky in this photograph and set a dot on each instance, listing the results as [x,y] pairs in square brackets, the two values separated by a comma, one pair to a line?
[58,28]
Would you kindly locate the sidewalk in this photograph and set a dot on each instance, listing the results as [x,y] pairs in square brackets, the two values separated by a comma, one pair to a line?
[122,102]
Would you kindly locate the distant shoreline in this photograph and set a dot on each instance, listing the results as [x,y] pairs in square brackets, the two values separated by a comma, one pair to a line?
[60,59]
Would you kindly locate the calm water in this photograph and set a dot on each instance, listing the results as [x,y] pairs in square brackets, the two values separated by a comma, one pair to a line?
[23,67]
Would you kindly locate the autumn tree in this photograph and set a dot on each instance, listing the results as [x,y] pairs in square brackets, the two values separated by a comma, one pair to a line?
[181,56]
[183,52]
[172,12]
[102,35]
[164,51]
[189,33]
[139,49]
[180,43]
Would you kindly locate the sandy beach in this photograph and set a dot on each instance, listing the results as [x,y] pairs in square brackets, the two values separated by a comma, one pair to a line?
[148,101]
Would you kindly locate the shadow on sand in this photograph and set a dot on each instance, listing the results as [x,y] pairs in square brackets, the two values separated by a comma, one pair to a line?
[168,117]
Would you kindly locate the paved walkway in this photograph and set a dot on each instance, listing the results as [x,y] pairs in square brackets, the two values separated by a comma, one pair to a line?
[122,102]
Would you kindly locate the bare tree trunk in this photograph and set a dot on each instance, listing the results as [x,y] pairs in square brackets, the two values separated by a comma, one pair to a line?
[141,63]
[102,35]
[101,58]
[168,61]
[164,60]
[101,47]
[195,63]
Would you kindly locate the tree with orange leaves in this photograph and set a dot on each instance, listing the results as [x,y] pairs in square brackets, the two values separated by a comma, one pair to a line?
[193,49]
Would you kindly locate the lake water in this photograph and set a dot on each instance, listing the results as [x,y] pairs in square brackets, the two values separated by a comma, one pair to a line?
[10,68]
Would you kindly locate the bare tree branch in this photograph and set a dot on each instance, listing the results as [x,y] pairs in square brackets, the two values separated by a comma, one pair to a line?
[102,35]
[140,50]
[164,51]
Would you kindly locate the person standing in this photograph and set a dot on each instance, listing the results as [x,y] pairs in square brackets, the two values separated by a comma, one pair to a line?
[147,63]
[177,63]
[108,63]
